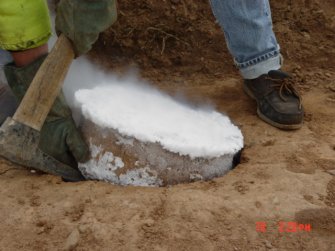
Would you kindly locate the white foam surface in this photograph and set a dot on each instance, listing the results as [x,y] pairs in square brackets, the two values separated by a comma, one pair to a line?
[151,116]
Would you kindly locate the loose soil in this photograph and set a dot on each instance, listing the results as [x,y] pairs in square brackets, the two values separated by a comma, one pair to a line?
[284,176]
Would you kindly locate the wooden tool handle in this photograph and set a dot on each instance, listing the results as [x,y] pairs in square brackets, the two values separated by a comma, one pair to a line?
[46,85]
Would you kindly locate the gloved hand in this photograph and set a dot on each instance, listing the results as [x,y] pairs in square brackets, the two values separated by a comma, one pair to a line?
[82,21]
[59,136]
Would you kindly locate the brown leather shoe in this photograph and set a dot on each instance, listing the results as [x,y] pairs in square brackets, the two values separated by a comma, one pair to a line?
[278,102]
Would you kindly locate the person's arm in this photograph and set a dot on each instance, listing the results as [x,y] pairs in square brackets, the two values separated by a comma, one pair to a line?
[25,29]
[81,21]
[26,57]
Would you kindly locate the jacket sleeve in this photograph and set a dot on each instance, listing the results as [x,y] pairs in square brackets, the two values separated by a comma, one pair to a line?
[25,24]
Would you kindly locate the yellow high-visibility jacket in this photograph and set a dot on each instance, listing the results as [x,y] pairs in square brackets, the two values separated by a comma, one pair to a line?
[24,24]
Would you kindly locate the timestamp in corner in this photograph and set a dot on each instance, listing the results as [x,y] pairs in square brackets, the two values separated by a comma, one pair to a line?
[283,227]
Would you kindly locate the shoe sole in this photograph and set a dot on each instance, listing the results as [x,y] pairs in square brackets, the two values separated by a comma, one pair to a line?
[266,119]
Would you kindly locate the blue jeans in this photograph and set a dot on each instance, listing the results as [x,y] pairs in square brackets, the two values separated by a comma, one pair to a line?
[247,25]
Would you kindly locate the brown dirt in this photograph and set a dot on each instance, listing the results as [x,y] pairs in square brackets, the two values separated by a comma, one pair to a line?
[284,176]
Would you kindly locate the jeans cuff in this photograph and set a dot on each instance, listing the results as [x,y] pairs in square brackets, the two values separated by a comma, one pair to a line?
[260,67]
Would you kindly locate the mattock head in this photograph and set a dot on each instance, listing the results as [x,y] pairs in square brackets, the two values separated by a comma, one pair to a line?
[19,144]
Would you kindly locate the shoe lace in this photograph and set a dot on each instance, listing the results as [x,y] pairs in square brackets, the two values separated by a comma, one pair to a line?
[285,84]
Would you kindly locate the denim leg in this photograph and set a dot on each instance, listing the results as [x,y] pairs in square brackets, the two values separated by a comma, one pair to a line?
[247,25]
[8,103]
[5,58]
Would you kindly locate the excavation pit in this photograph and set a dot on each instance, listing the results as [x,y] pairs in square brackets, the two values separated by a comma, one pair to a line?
[141,137]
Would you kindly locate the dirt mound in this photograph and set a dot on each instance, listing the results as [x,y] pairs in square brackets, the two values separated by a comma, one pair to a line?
[286,178]
[181,37]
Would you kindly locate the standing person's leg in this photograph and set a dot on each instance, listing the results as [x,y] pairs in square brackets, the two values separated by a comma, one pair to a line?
[247,26]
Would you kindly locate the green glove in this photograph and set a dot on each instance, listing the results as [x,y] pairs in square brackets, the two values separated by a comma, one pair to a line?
[59,135]
[82,21]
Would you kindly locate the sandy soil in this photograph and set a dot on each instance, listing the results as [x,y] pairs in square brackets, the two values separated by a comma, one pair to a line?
[284,176]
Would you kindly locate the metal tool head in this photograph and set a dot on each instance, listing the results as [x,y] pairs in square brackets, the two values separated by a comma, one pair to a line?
[19,144]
